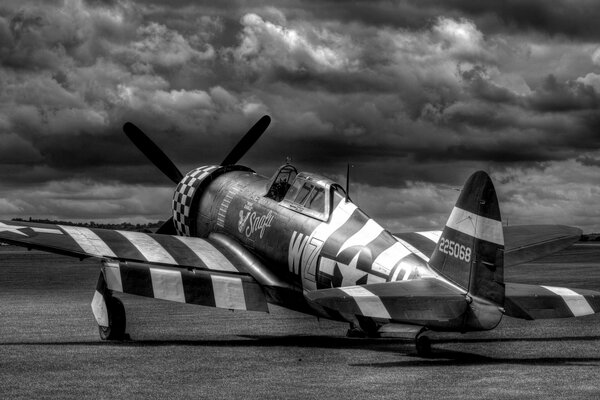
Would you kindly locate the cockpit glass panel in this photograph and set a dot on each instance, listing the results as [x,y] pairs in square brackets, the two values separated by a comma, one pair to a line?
[304,193]
[310,196]
[339,195]
[316,200]
[293,191]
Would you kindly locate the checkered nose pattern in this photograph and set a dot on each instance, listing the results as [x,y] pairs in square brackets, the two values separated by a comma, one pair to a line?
[184,195]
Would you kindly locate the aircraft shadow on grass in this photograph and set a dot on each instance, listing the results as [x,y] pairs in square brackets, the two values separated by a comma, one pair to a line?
[443,358]
[403,347]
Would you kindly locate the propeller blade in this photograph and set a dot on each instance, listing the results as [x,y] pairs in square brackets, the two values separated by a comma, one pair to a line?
[247,141]
[152,151]
[167,228]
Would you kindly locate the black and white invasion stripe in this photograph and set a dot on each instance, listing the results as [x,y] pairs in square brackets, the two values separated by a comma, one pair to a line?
[207,288]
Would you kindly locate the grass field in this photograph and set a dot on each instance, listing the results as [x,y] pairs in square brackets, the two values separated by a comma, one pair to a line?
[49,346]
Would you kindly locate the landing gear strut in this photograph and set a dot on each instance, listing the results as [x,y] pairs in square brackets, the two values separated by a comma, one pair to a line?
[367,328]
[109,313]
[423,344]
[355,332]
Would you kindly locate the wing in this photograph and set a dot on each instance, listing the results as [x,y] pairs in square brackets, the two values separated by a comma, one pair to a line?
[523,243]
[176,268]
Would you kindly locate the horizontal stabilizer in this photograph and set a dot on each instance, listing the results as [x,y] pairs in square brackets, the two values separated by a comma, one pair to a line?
[420,302]
[522,243]
[544,302]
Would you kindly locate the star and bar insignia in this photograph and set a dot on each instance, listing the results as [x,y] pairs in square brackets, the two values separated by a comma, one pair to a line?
[16,229]
[12,229]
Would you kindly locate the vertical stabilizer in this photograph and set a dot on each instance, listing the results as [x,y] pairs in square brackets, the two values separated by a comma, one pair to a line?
[470,251]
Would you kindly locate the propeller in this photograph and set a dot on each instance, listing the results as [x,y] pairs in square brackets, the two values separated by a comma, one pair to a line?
[153,152]
[160,159]
[247,141]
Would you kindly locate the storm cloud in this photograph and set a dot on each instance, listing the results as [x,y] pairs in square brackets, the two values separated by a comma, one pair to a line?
[417,95]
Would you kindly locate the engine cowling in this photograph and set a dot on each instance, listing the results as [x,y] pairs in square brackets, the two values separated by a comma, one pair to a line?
[188,193]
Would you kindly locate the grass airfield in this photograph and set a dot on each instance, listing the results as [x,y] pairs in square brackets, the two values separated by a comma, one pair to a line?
[50,348]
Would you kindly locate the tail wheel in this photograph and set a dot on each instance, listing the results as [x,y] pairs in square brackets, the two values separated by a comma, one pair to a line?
[116,320]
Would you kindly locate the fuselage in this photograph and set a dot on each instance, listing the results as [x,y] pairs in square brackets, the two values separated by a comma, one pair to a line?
[307,235]
[336,245]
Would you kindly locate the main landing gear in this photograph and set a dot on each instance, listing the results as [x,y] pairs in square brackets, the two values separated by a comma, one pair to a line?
[109,313]
[367,328]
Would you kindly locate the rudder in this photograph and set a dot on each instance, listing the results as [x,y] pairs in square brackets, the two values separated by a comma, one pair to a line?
[470,252]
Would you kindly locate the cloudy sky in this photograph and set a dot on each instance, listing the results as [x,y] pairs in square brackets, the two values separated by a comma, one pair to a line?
[416,94]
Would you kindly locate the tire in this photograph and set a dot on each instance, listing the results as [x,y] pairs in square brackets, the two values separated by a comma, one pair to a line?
[369,327]
[423,345]
[116,320]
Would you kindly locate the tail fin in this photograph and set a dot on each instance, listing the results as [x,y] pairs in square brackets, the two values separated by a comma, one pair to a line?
[470,251]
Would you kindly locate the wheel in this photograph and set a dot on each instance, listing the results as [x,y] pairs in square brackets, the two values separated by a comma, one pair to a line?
[369,327]
[116,320]
[423,345]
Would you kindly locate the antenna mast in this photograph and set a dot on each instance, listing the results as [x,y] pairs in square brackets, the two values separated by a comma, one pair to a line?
[348,181]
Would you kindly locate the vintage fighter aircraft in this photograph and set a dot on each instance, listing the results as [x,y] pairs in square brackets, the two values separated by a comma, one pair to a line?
[241,241]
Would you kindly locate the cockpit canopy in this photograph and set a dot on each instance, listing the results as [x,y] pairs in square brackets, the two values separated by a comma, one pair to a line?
[309,194]
[281,182]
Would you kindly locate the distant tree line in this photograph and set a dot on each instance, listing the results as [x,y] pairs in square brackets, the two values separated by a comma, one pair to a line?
[123,226]
[590,237]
